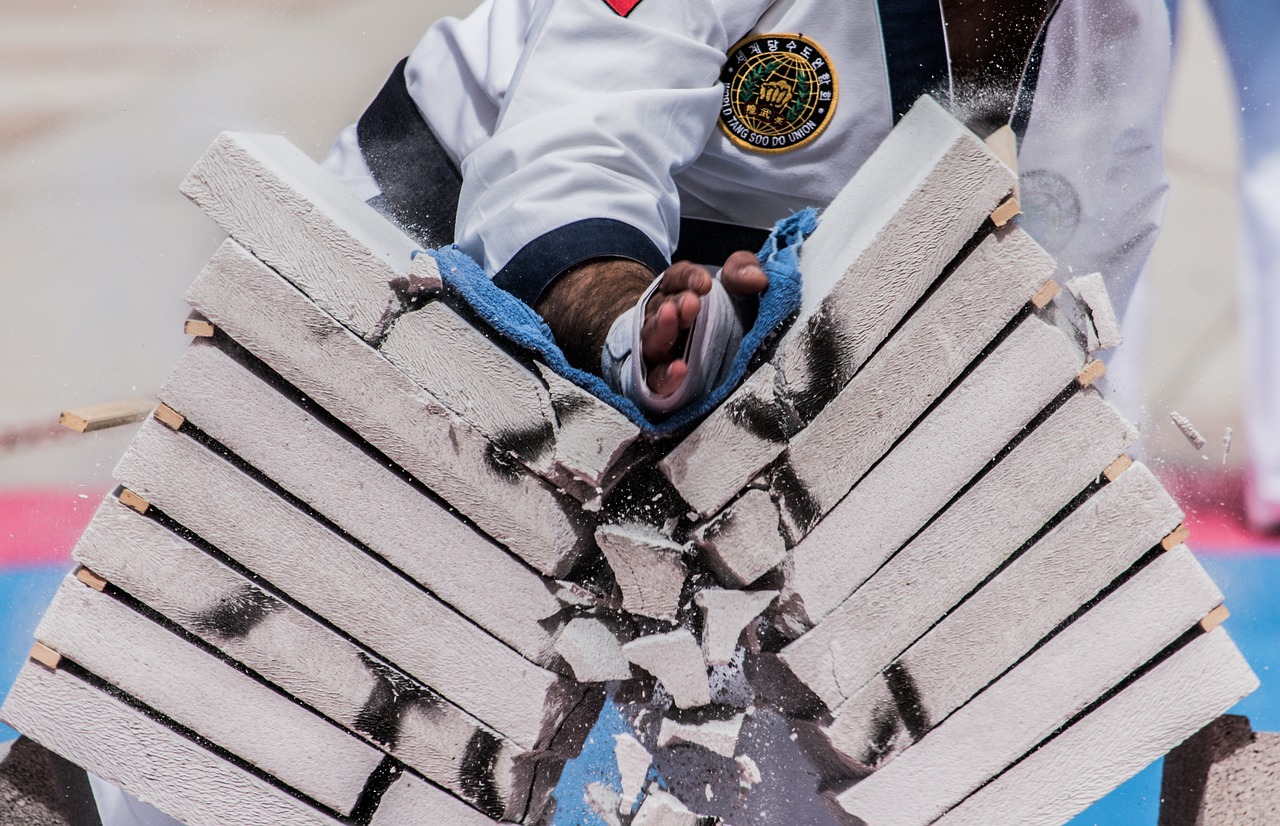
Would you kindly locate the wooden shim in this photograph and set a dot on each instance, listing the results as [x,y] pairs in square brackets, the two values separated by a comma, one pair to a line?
[355,592]
[307,225]
[1214,618]
[1045,294]
[987,633]
[102,416]
[91,579]
[362,389]
[1006,212]
[1065,775]
[310,661]
[743,542]
[131,499]
[46,656]
[412,800]
[1119,466]
[993,519]
[169,417]
[907,212]
[1047,689]
[1176,537]
[198,327]
[206,695]
[1092,371]
[934,346]
[961,435]
[125,746]
[421,537]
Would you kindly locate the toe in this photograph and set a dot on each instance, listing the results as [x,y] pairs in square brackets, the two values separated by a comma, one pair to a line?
[665,379]
[742,274]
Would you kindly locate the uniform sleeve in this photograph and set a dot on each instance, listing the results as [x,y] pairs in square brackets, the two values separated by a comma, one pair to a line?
[1092,163]
[603,110]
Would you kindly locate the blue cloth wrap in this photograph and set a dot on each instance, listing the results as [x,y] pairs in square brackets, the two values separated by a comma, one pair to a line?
[520,325]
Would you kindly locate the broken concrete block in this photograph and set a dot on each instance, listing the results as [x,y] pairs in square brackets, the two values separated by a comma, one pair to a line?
[649,568]
[675,660]
[592,651]
[935,344]
[1047,689]
[633,761]
[963,433]
[40,788]
[225,399]
[1065,775]
[748,772]
[126,746]
[1056,461]
[1224,773]
[1091,290]
[251,524]
[662,809]
[743,542]
[592,438]
[605,802]
[309,660]
[201,692]
[718,736]
[987,633]
[1188,429]
[357,385]
[412,800]
[724,615]
[309,227]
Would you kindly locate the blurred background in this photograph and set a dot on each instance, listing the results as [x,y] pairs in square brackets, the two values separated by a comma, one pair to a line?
[105,105]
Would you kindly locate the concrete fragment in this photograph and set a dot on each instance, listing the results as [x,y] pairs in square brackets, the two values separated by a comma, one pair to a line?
[662,809]
[1105,326]
[748,771]
[1000,513]
[309,227]
[633,761]
[1188,429]
[1042,693]
[592,651]
[1065,775]
[356,384]
[412,800]
[724,615]
[358,594]
[1226,444]
[675,659]
[419,535]
[743,542]
[1224,773]
[197,690]
[592,438]
[718,736]
[971,425]
[605,802]
[649,568]
[125,746]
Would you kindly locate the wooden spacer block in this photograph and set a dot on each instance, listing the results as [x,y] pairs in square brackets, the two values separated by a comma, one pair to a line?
[1045,294]
[169,417]
[132,500]
[1005,213]
[1214,618]
[46,656]
[91,579]
[1091,373]
[1176,537]
[198,326]
[1119,466]
[102,416]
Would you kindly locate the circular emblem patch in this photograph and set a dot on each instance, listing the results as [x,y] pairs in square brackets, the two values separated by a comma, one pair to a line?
[779,92]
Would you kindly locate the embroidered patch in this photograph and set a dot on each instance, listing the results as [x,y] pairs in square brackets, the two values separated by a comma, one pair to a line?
[622,7]
[779,92]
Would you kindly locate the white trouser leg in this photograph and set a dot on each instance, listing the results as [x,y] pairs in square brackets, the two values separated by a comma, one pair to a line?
[116,807]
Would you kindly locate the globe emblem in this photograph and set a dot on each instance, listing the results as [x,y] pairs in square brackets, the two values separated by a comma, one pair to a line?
[775,91]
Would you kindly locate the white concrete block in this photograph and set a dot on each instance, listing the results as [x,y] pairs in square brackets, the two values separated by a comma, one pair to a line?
[1043,692]
[351,589]
[724,615]
[1115,741]
[995,517]
[1021,605]
[592,651]
[1091,290]
[743,542]
[357,385]
[309,227]
[633,761]
[649,568]
[309,660]
[377,506]
[197,690]
[718,736]
[663,809]
[962,434]
[676,661]
[411,800]
[933,346]
[592,438]
[125,746]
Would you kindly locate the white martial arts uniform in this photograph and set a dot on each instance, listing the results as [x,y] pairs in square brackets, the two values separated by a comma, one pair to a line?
[581,132]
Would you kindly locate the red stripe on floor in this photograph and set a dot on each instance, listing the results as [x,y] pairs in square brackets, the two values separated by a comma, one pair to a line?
[1214,505]
[41,527]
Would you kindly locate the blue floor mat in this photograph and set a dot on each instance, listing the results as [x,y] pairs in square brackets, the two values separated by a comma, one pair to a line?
[24,593]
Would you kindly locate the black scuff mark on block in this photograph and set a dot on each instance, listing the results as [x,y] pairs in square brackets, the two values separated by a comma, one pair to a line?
[768,420]
[885,725]
[476,774]
[907,697]
[566,407]
[795,498]
[509,448]
[393,694]
[234,617]
[826,354]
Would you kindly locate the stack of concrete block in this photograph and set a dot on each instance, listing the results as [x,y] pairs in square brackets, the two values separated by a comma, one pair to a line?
[368,566]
